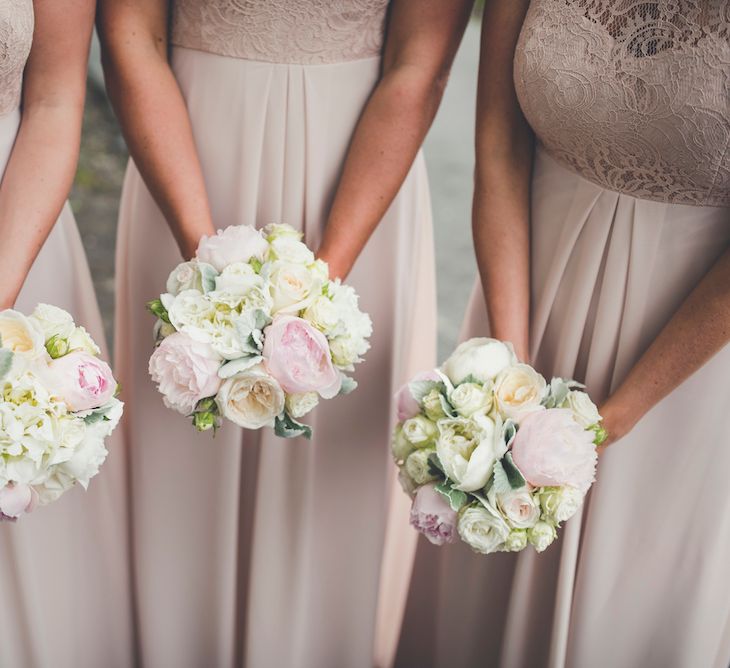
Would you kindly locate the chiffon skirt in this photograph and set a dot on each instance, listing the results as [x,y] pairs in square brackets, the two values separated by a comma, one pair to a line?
[249,549]
[641,579]
[64,579]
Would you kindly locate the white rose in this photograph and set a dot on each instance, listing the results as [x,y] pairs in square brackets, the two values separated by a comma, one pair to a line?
[298,405]
[321,268]
[322,313]
[468,450]
[516,541]
[400,446]
[21,335]
[189,311]
[80,339]
[480,358]
[237,279]
[346,351]
[52,321]
[432,406]
[186,276]
[420,431]
[418,467]
[541,535]
[277,230]
[408,485]
[560,503]
[251,399]
[482,530]
[238,243]
[289,249]
[518,391]
[585,412]
[293,287]
[519,508]
[470,398]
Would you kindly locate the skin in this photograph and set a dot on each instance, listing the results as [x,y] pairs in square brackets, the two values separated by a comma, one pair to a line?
[42,164]
[423,36]
[698,330]
[422,40]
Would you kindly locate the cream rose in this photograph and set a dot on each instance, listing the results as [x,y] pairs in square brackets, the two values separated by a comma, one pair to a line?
[418,467]
[468,450]
[400,446]
[323,314]
[585,412]
[251,399]
[560,503]
[186,276]
[516,541]
[518,391]
[298,405]
[238,279]
[541,535]
[80,339]
[21,335]
[520,509]
[288,248]
[432,406]
[420,431]
[479,358]
[471,398]
[293,287]
[484,531]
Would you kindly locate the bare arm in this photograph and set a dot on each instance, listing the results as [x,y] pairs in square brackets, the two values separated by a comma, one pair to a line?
[423,36]
[504,149]
[696,332]
[153,115]
[41,167]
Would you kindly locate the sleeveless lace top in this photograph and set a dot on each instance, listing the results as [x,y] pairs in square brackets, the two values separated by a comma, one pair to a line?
[308,32]
[632,94]
[16,35]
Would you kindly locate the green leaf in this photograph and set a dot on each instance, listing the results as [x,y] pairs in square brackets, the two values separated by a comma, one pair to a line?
[456,498]
[255,264]
[287,427]
[446,406]
[558,390]
[501,483]
[420,388]
[509,431]
[238,365]
[514,476]
[156,308]
[599,430]
[208,274]
[6,361]
[348,385]
[434,465]
[471,379]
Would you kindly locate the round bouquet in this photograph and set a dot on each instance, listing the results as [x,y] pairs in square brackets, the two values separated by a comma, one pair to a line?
[490,451]
[57,406]
[254,331]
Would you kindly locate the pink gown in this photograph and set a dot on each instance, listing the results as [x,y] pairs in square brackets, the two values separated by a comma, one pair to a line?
[248,549]
[64,569]
[629,210]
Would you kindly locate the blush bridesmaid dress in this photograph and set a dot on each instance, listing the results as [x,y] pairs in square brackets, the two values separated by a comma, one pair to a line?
[64,569]
[249,549]
[629,210]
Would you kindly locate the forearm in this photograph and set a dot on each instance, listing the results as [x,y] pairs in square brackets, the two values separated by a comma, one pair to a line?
[35,186]
[156,126]
[696,332]
[386,141]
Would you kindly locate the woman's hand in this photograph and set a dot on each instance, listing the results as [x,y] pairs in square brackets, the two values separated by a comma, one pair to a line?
[422,39]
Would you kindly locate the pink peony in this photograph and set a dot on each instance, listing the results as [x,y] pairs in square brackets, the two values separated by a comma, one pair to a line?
[237,243]
[81,380]
[432,515]
[185,371]
[17,499]
[298,356]
[407,406]
[552,449]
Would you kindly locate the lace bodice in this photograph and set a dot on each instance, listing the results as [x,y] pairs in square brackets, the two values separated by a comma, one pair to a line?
[281,31]
[632,94]
[16,35]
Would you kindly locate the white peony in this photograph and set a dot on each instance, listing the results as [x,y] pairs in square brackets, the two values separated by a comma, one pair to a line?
[298,405]
[52,321]
[238,243]
[238,279]
[189,312]
[518,391]
[585,412]
[468,450]
[480,358]
[483,530]
[471,398]
[251,399]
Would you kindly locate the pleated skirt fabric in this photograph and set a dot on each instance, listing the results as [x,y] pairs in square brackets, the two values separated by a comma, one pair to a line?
[250,550]
[64,576]
[640,578]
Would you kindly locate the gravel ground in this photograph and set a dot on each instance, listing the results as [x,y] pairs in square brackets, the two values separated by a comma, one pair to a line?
[449,155]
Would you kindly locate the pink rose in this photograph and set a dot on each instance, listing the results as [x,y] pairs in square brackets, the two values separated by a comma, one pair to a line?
[81,380]
[17,499]
[552,449]
[237,243]
[407,406]
[432,515]
[298,356]
[185,371]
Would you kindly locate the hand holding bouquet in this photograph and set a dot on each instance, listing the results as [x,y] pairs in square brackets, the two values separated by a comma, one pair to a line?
[489,450]
[253,330]
[57,406]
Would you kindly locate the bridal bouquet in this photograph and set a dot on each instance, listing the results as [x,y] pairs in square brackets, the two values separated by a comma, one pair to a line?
[57,406]
[489,450]
[254,331]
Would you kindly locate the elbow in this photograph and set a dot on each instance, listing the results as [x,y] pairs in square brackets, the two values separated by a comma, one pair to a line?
[416,87]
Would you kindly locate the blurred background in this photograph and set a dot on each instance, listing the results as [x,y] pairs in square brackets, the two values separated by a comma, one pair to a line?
[449,154]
